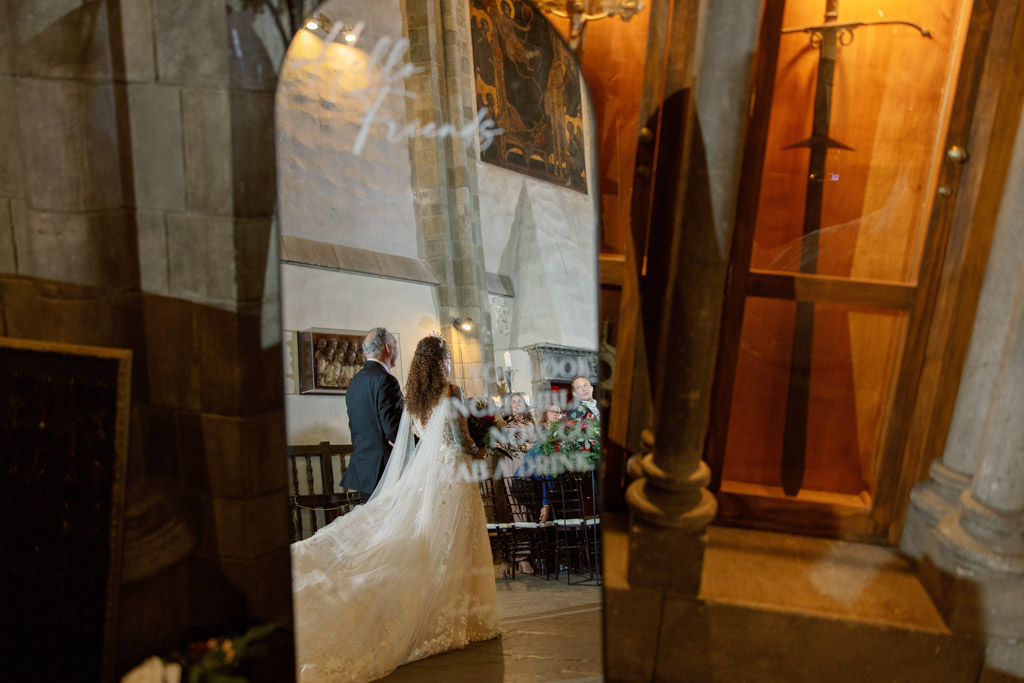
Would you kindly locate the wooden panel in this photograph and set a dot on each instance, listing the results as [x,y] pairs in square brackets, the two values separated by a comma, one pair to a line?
[847,395]
[613,268]
[65,449]
[811,512]
[803,287]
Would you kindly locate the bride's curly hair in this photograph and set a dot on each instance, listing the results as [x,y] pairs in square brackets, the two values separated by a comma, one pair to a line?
[428,380]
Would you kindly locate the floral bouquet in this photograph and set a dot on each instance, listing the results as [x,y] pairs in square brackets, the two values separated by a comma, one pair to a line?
[483,421]
[574,436]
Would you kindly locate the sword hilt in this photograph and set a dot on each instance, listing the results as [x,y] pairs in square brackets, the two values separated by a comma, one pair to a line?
[848,27]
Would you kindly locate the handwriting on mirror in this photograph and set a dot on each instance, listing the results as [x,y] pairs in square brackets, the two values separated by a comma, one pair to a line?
[385,74]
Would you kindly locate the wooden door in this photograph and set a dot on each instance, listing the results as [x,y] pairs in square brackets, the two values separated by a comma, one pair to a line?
[834,257]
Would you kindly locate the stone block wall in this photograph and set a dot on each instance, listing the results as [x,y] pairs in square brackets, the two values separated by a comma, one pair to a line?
[136,196]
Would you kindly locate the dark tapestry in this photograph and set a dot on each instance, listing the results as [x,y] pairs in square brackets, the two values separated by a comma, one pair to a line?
[529,82]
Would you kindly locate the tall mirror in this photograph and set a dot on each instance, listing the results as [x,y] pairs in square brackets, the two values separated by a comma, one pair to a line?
[435,177]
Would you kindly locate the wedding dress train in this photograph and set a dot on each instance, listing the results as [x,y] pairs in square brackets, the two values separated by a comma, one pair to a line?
[405,576]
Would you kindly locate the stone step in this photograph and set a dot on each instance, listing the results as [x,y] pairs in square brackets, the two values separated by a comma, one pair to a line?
[778,607]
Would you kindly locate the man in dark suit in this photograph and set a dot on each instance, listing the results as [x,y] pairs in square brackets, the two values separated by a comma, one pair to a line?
[374,405]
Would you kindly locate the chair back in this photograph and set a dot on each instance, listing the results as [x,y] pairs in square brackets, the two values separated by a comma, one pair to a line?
[566,497]
[523,498]
[488,497]
[315,497]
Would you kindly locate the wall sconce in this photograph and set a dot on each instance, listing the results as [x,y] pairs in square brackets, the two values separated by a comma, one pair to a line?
[579,12]
[465,325]
[320,22]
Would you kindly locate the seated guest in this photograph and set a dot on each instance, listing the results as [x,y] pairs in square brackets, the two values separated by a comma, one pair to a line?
[549,419]
[519,430]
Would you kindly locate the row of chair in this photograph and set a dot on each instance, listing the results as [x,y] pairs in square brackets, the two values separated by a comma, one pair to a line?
[569,539]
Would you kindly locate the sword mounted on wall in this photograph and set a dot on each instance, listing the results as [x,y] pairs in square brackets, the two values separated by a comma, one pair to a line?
[826,37]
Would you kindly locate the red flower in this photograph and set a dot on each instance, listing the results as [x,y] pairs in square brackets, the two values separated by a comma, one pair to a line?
[586,447]
[556,448]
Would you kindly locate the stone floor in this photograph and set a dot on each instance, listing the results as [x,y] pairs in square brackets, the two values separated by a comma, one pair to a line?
[776,607]
[550,632]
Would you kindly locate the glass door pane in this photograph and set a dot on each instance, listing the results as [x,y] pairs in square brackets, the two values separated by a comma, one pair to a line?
[853,364]
[886,112]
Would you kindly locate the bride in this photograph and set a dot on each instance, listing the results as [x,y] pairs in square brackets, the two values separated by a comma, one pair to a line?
[409,574]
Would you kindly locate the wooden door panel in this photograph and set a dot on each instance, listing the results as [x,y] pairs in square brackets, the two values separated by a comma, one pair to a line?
[804,287]
[853,366]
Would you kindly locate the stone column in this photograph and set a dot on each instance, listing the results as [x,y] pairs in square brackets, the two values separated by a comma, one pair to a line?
[950,475]
[670,504]
[444,179]
[986,533]
[974,558]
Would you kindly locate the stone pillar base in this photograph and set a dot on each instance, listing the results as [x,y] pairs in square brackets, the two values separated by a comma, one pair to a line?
[666,559]
[930,501]
[974,568]
[981,538]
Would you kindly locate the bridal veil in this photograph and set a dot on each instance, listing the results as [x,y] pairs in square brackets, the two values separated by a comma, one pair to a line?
[405,576]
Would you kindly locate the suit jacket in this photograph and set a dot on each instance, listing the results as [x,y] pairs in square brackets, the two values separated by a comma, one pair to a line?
[374,406]
[579,411]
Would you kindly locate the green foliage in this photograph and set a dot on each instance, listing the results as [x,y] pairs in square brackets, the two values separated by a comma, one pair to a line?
[573,436]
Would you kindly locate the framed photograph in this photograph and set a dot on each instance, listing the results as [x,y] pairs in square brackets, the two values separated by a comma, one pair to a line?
[328,359]
[64,437]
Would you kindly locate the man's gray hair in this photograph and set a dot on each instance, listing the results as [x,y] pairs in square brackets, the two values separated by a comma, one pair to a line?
[375,341]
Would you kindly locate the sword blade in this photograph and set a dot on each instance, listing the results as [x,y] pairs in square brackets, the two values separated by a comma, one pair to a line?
[794,440]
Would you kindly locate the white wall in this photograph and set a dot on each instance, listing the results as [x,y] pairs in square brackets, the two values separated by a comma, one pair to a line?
[314,297]
[325,191]
[544,237]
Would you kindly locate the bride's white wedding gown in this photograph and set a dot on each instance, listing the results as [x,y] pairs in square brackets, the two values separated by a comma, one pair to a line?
[405,576]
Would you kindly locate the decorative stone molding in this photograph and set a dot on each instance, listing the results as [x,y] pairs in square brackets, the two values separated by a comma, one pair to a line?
[550,362]
[501,314]
[308,252]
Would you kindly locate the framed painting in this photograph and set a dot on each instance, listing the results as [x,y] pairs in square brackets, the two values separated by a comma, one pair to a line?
[65,443]
[529,82]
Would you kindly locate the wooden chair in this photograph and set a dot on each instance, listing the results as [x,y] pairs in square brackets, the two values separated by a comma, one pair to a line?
[577,526]
[530,537]
[319,502]
[498,529]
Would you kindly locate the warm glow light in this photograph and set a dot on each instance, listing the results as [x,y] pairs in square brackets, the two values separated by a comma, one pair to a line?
[311,25]
[464,324]
[350,37]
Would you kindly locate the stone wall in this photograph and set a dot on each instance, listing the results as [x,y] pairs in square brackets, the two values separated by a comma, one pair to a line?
[544,238]
[331,189]
[136,191]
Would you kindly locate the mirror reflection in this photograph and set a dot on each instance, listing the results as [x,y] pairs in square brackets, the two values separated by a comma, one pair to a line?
[438,238]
